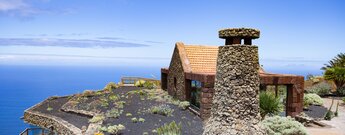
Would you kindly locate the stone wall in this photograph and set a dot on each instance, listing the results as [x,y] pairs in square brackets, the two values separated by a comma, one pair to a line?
[176,72]
[235,106]
[46,121]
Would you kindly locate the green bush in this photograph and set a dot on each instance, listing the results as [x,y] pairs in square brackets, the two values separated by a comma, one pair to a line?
[110,86]
[115,129]
[113,113]
[170,129]
[184,104]
[134,120]
[341,91]
[277,125]
[128,114]
[97,118]
[344,99]
[141,120]
[321,89]
[149,85]
[140,83]
[312,99]
[269,104]
[88,93]
[162,110]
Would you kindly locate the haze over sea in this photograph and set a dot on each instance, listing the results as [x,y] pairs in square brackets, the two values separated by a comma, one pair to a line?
[25,86]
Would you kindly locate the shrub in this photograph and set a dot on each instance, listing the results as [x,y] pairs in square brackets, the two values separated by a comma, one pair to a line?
[321,89]
[344,99]
[134,120]
[110,86]
[269,104]
[341,91]
[120,104]
[184,104]
[128,114]
[115,129]
[88,93]
[149,85]
[169,129]
[97,118]
[113,113]
[49,108]
[139,83]
[141,120]
[113,97]
[162,110]
[277,125]
[313,99]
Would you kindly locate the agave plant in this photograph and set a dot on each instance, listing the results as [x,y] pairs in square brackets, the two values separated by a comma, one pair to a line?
[269,104]
[170,129]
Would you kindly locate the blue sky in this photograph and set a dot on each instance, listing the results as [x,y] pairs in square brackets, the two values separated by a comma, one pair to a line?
[295,34]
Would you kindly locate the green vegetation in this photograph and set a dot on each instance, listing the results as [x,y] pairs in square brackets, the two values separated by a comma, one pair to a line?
[321,89]
[344,99]
[338,61]
[277,125]
[169,129]
[337,75]
[113,113]
[97,118]
[184,105]
[113,97]
[341,91]
[141,120]
[120,104]
[104,101]
[336,113]
[329,115]
[150,85]
[109,87]
[312,99]
[49,108]
[134,120]
[115,129]
[139,83]
[128,114]
[269,104]
[88,93]
[162,110]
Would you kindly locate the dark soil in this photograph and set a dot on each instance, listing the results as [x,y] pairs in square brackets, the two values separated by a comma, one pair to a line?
[315,111]
[136,105]
[76,120]
[191,124]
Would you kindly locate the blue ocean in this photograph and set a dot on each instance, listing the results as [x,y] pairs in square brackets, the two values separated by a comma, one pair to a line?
[24,86]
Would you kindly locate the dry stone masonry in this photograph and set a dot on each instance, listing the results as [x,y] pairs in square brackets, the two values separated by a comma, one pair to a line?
[235,105]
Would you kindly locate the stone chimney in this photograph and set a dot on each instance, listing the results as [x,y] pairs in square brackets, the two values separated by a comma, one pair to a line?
[235,105]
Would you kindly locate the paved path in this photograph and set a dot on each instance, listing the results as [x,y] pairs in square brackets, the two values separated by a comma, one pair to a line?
[337,123]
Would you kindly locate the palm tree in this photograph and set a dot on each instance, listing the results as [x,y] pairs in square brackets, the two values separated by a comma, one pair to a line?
[337,75]
[269,104]
[337,61]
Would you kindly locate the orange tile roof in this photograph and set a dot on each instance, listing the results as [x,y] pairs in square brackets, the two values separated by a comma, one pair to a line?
[202,58]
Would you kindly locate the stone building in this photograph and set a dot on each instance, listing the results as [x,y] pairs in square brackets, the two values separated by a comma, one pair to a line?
[192,71]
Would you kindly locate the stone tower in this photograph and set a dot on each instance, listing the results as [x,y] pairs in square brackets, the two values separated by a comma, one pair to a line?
[235,105]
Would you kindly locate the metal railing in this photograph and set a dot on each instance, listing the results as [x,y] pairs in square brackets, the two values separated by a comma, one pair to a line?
[130,81]
[37,131]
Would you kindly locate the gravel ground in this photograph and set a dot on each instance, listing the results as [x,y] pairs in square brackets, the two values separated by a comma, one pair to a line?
[315,111]
[76,120]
